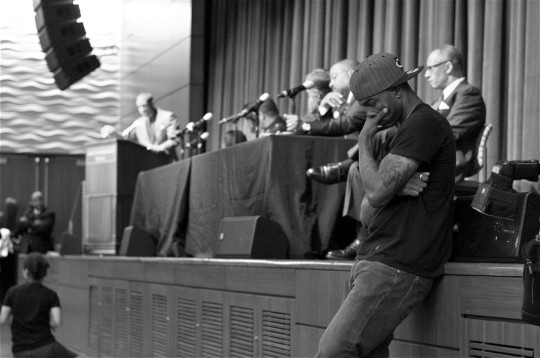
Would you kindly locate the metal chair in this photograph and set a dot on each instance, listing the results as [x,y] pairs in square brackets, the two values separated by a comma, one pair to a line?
[469,186]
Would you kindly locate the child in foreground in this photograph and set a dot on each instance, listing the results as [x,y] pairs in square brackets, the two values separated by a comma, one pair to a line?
[35,312]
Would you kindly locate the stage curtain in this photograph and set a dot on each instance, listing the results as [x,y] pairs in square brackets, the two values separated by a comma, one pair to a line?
[269,45]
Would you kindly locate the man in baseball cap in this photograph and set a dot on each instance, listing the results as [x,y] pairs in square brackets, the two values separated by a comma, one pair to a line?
[409,236]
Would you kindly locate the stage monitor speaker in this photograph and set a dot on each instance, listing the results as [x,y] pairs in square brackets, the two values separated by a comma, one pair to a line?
[137,242]
[62,38]
[251,237]
[482,238]
[70,245]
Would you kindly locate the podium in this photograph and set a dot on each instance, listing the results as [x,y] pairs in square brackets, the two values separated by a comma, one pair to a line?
[112,167]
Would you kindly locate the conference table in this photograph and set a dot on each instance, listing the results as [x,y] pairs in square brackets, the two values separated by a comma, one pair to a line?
[182,204]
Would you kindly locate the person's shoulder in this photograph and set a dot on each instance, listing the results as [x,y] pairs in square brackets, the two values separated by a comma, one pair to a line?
[467,88]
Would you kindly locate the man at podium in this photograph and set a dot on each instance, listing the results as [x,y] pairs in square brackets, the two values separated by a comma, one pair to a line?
[156,129]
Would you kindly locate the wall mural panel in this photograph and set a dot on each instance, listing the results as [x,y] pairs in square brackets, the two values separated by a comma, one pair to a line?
[37,117]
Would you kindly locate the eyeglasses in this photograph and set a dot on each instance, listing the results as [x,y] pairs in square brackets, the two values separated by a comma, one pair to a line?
[429,68]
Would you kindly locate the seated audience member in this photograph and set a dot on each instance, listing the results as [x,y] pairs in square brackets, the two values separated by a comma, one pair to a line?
[34,311]
[410,230]
[8,256]
[233,136]
[156,129]
[36,226]
[270,121]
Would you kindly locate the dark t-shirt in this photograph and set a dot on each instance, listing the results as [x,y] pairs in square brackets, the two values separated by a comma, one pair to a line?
[31,304]
[414,234]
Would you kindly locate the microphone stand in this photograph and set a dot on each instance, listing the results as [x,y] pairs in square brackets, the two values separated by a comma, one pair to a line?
[292,105]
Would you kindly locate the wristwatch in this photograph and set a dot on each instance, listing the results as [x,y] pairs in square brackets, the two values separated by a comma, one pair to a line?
[306,127]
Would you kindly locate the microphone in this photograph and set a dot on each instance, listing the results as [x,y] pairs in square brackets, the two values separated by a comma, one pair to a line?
[191,126]
[292,92]
[254,107]
[130,128]
[197,142]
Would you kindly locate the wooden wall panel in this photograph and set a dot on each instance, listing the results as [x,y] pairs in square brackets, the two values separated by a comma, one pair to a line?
[319,295]
[492,296]
[414,350]
[437,320]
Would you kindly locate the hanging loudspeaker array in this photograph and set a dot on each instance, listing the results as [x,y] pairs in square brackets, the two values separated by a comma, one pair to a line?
[64,42]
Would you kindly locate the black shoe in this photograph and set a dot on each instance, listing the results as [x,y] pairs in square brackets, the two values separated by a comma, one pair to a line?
[331,173]
[348,253]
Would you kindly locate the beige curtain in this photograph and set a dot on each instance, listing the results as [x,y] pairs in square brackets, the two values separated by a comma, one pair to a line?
[262,46]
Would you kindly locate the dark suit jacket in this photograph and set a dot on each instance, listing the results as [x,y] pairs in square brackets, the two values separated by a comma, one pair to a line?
[350,118]
[37,231]
[467,116]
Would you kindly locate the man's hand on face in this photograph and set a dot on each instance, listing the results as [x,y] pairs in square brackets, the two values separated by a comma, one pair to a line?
[372,125]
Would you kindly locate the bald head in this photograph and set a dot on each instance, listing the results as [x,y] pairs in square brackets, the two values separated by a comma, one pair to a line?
[340,75]
[36,200]
[145,105]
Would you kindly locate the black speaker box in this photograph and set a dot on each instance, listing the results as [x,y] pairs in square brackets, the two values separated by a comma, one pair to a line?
[482,238]
[137,242]
[70,245]
[251,237]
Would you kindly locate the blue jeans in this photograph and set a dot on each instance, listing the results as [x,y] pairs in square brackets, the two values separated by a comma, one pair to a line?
[378,298]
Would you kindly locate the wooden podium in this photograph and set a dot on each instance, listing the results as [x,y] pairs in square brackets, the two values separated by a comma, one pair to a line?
[112,167]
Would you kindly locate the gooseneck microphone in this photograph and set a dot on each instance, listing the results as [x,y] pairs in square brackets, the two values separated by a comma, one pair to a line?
[197,142]
[292,92]
[191,126]
[253,108]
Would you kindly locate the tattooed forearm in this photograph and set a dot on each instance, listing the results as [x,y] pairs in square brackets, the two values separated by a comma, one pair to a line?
[395,172]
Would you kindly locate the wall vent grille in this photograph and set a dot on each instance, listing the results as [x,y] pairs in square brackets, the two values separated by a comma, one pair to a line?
[212,329]
[276,334]
[242,342]
[106,322]
[136,324]
[186,337]
[121,346]
[159,325]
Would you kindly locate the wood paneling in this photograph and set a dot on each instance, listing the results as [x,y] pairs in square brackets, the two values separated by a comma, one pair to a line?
[489,338]
[414,350]
[174,307]
[492,296]
[319,295]
[437,320]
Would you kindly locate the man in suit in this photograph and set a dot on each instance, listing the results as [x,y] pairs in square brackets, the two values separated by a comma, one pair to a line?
[36,226]
[460,102]
[156,128]
[338,113]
